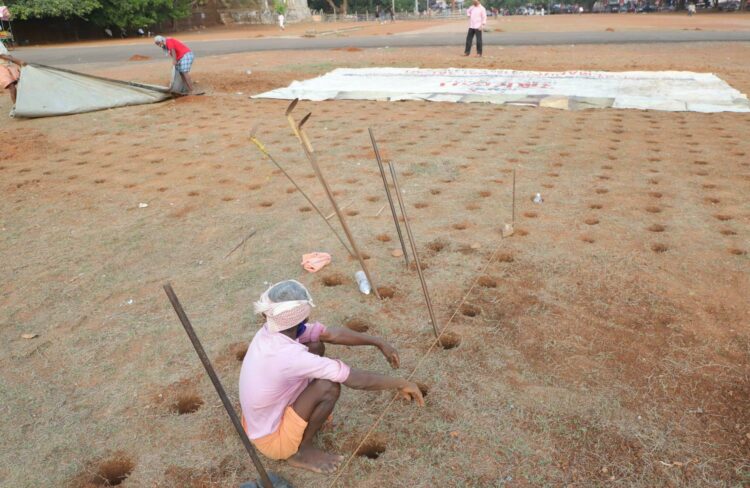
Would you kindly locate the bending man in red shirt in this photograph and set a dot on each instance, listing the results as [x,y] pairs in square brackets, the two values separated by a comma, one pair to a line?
[181,55]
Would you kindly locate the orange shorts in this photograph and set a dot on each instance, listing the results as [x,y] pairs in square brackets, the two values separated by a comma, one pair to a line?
[285,442]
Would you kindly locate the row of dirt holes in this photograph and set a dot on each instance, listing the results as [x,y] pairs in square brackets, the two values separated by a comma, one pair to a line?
[114,471]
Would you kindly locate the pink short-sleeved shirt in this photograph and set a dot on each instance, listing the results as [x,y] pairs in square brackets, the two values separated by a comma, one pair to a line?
[276,369]
[477,16]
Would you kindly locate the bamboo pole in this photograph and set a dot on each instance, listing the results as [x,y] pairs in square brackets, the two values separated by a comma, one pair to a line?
[265,480]
[388,194]
[414,250]
[265,152]
[312,157]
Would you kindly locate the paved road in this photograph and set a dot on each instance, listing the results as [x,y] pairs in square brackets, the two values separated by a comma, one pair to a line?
[70,55]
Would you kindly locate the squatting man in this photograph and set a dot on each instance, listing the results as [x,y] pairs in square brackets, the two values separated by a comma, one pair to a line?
[288,388]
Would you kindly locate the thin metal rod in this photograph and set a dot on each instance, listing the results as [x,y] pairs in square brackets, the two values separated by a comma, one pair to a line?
[388,194]
[414,250]
[514,197]
[307,148]
[265,480]
[243,241]
[265,152]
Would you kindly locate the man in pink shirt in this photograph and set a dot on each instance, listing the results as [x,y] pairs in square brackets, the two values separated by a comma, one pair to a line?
[288,389]
[477,20]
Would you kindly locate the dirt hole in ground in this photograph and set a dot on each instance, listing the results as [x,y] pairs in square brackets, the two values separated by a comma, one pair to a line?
[530,215]
[383,238]
[656,228]
[266,204]
[728,232]
[461,226]
[386,292]
[435,191]
[657,247]
[653,209]
[422,265]
[587,239]
[595,206]
[372,448]
[421,205]
[485,193]
[472,206]
[505,257]
[436,246]
[305,209]
[239,351]
[737,252]
[487,282]
[655,194]
[450,340]
[352,213]
[469,310]
[113,472]
[358,325]
[373,198]
[423,388]
[333,280]
[711,200]
[723,217]
[591,221]
[187,403]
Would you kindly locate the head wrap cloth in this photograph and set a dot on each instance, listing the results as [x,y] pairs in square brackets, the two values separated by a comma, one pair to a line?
[284,314]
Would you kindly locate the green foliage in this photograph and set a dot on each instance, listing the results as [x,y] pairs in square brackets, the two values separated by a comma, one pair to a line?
[279,6]
[34,9]
[114,13]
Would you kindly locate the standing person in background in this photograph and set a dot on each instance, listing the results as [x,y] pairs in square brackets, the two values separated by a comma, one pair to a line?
[392,13]
[281,20]
[477,20]
[181,55]
[377,14]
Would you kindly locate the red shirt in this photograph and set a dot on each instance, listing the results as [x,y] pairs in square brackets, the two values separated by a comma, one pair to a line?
[179,48]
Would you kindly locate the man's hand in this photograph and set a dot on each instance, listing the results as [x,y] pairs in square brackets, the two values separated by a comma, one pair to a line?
[391,355]
[411,392]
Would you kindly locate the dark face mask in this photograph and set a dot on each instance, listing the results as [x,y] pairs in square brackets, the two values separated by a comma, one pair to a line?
[301,328]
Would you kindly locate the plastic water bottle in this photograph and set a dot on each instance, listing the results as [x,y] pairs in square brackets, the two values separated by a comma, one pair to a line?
[538,198]
[364,285]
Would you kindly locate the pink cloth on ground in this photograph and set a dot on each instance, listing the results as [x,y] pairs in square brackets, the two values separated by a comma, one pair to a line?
[477,16]
[315,261]
[276,369]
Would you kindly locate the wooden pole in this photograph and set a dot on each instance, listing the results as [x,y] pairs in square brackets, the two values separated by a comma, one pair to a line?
[414,250]
[311,156]
[264,151]
[265,480]
[513,219]
[388,194]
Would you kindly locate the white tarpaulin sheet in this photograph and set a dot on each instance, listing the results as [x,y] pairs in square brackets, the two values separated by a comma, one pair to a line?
[648,90]
[44,91]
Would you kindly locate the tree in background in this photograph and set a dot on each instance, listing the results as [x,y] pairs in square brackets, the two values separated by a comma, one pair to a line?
[38,9]
[123,14]
[279,6]
[126,14]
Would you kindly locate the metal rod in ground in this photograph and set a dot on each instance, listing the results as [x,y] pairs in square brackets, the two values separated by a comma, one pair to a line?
[414,250]
[513,218]
[265,152]
[388,194]
[312,158]
[265,480]
[251,234]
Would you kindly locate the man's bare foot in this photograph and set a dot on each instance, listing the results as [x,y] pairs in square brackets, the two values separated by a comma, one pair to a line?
[313,459]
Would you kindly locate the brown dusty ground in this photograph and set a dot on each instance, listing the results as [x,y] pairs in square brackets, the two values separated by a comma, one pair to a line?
[607,342]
